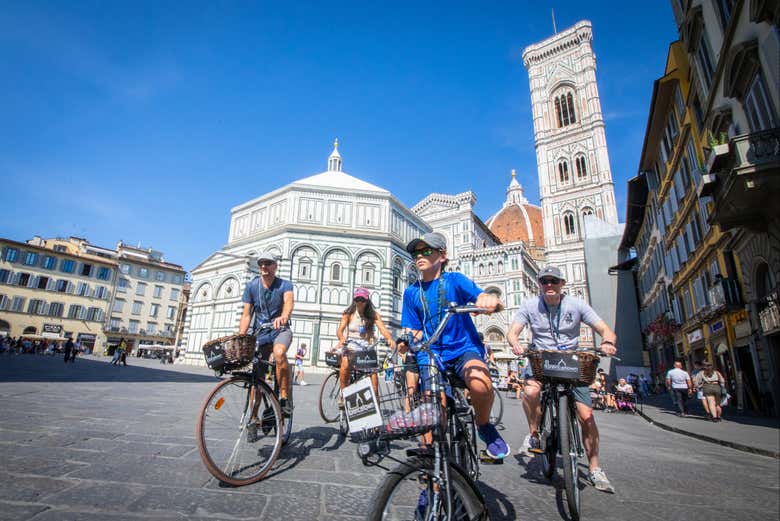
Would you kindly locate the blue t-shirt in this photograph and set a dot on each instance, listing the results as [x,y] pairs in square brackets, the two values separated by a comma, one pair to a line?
[268,303]
[460,335]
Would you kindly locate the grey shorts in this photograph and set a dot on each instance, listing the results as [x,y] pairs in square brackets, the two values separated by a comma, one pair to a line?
[284,337]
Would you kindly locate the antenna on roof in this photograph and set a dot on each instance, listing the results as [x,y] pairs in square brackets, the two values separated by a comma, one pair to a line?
[555,30]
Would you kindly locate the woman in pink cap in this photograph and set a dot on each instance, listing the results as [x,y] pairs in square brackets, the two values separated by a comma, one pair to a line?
[356,332]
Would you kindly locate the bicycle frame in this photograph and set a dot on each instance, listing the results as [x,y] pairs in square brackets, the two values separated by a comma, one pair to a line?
[444,435]
[550,394]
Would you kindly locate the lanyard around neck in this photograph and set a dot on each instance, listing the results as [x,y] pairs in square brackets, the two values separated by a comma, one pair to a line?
[435,318]
[555,329]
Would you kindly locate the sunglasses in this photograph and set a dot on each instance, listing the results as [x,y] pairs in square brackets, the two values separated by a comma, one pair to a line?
[427,252]
[360,299]
[546,282]
[266,263]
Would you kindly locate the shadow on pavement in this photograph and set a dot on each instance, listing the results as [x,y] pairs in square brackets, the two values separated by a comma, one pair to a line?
[499,506]
[34,368]
[302,443]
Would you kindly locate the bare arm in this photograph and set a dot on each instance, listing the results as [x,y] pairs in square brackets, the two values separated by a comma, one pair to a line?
[246,316]
[608,338]
[342,328]
[383,330]
[513,337]
[287,308]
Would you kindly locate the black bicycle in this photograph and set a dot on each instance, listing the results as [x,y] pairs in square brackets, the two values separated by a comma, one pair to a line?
[560,372]
[363,363]
[437,480]
[241,427]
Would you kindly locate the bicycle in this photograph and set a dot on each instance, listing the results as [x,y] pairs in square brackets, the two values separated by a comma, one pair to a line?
[434,482]
[559,372]
[237,446]
[364,363]
[497,409]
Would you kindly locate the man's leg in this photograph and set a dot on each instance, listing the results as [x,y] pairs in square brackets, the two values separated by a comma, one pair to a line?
[590,434]
[532,405]
[282,369]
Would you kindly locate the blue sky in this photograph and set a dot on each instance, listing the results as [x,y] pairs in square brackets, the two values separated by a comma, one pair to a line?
[148,121]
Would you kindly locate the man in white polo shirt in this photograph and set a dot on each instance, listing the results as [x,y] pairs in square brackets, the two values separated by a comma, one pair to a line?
[679,382]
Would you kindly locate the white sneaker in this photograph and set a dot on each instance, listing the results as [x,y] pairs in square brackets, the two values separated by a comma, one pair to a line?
[599,480]
[303,383]
[526,446]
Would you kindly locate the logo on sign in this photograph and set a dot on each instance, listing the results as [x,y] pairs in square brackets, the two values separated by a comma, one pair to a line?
[359,404]
[52,328]
[560,366]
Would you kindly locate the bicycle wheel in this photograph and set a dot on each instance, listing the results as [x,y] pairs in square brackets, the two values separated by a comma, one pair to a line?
[329,398]
[566,423]
[497,410]
[464,451]
[407,492]
[547,432]
[231,452]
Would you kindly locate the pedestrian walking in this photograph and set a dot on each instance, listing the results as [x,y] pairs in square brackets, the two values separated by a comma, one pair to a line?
[300,354]
[697,387]
[118,350]
[68,349]
[711,383]
[679,381]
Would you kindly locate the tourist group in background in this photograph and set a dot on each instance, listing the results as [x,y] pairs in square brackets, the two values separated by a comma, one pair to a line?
[28,346]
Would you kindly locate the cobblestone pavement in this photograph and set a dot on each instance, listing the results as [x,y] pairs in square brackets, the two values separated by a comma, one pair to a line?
[91,441]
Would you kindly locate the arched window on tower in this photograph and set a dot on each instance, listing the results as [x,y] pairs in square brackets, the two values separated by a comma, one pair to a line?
[568,225]
[582,170]
[587,211]
[335,272]
[564,109]
[563,171]
[570,104]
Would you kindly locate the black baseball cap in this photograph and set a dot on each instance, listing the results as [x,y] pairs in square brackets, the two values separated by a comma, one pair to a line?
[550,271]
[435,240]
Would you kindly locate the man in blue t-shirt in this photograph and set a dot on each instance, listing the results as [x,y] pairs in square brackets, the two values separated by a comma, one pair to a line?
[424,306]
[270,299]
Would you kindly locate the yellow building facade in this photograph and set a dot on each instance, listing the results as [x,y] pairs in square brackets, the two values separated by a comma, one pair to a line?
[49,290]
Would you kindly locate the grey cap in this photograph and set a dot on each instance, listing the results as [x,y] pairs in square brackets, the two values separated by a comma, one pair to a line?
[550,271]
[433,239]
[267,255]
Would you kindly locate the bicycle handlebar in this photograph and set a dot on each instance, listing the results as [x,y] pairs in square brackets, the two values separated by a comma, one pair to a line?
[453,309]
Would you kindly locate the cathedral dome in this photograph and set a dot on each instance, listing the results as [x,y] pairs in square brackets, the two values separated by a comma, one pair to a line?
[335,178]
[518,220]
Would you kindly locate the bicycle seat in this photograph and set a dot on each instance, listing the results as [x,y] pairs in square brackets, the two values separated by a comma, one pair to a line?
[455,380]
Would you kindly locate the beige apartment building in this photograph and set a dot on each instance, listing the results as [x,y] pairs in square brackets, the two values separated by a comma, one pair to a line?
[145,305]
[54,289]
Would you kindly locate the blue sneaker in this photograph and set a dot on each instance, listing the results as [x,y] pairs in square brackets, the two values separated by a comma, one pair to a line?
[495,445]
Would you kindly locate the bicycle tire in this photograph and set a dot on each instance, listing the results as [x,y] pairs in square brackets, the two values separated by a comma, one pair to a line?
[402,485]
[496,411]
[569,456]
[463,437]
[223,421]
[329,398]
[547,431]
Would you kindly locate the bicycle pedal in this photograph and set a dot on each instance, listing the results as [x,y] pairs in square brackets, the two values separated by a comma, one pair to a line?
[536,451]
[484,457]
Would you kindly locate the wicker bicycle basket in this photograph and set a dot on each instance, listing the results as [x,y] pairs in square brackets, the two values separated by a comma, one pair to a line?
[236,351]
[576,367]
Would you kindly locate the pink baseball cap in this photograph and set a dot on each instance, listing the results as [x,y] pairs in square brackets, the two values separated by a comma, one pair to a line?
[360,292]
